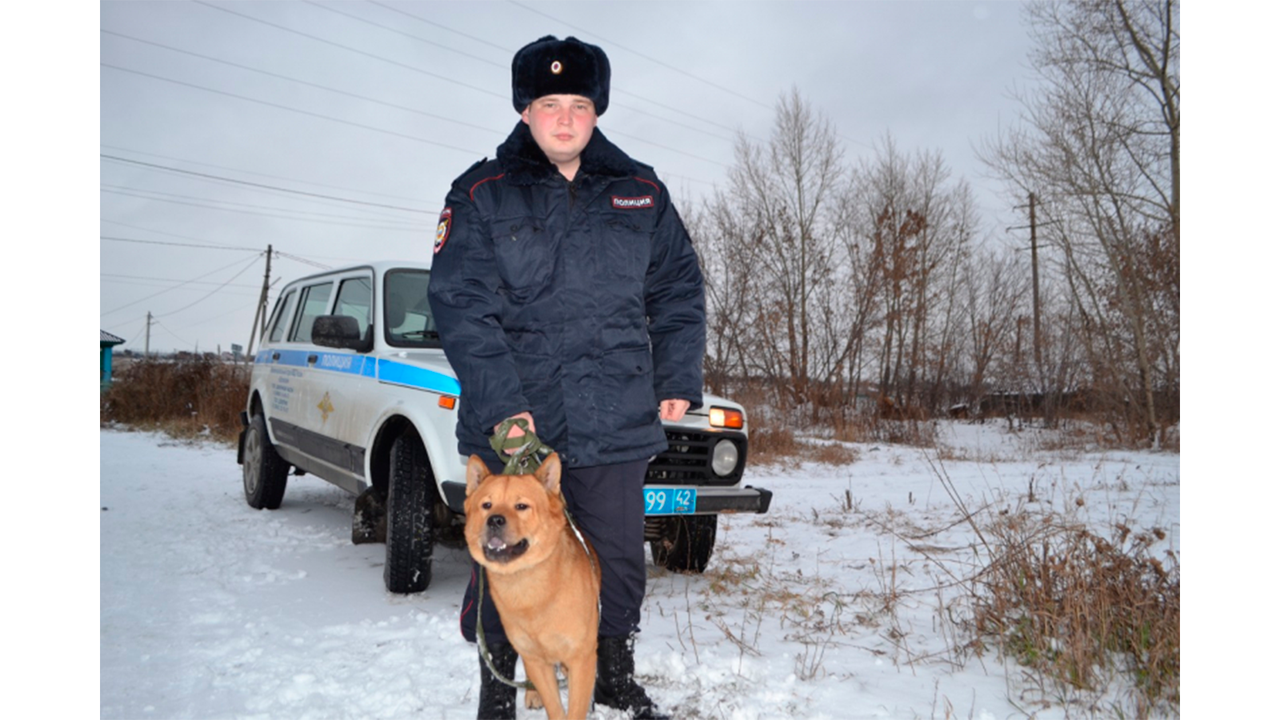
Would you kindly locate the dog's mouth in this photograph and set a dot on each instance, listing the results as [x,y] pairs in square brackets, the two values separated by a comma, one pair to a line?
[499,551]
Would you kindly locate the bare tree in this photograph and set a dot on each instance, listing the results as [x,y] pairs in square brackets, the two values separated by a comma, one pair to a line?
[1100,147]
[916,227]
[995,287]
[785,192]
[721,237]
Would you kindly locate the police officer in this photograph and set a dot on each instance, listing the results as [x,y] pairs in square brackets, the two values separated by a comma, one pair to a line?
[567,292]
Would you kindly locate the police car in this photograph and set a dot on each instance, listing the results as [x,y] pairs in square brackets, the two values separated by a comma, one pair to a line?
[351,385]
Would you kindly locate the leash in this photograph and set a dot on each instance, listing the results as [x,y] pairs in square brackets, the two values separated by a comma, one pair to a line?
[521,452]
[484,648]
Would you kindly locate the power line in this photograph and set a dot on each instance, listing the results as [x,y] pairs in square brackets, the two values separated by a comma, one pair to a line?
[175,287]
[135,335]
[348,48]
[405,34]
[252,262]
[637,138]
[301,82]
[164,242]
[262,185]
[256,298]
[174,334]
[187,237]
[278,106]
[303,260]
[118,277]
[263,214]
[176,198]
[248,172]
[419,18]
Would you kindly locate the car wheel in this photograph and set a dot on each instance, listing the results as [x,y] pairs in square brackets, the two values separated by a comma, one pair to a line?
[410,535]
[686,544]
[265,472]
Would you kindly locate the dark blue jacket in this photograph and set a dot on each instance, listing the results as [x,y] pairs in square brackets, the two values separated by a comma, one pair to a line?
[579,302]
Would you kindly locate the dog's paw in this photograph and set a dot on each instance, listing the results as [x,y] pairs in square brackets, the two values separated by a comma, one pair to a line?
[532,700]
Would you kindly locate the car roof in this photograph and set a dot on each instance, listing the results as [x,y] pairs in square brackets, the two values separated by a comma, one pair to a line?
[379,267]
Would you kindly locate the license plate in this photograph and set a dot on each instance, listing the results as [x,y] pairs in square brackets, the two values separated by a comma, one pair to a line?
[670,501]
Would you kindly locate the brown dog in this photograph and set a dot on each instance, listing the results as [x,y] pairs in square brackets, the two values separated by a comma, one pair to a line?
[543,580]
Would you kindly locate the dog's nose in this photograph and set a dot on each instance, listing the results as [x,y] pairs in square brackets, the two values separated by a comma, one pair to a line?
[497,521]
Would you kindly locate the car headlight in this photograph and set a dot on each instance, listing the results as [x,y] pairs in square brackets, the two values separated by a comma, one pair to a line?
[724,457]
[726,418]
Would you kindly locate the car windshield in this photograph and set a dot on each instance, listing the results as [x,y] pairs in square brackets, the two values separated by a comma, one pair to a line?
[407,313]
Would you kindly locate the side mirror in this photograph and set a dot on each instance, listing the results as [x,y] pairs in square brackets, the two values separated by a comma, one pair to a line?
[340,331]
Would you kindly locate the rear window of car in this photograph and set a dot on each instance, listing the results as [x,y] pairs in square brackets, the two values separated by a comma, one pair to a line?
[283,314]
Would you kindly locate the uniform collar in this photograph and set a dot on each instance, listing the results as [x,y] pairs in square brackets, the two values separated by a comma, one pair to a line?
[525,164]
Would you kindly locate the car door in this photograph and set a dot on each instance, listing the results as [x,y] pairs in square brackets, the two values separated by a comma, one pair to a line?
[342,408]
[293,361]
[279,384]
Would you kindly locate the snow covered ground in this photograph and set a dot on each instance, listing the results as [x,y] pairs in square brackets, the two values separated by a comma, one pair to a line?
[833,605]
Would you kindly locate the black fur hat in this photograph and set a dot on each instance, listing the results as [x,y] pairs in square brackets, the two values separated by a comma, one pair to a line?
[548,66]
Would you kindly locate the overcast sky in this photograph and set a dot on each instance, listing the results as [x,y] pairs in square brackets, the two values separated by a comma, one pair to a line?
[385,102]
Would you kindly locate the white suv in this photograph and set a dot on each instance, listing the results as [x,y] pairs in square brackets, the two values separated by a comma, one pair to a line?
[350,385]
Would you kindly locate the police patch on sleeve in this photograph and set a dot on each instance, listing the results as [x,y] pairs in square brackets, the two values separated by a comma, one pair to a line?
[442,229]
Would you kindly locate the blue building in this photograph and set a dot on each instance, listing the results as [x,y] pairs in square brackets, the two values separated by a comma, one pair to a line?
[104,361]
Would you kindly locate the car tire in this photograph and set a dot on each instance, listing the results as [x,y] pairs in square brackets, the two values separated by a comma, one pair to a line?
[686,544]
[410,535]
[265,472]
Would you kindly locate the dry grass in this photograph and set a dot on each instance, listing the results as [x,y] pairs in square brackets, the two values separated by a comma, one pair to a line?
[776,446]
[184,399]
[1073,605]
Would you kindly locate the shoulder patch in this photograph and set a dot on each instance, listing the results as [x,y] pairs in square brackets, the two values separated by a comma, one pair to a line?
[442,229]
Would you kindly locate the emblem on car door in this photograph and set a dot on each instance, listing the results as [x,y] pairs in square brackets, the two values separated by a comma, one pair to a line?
[326,407]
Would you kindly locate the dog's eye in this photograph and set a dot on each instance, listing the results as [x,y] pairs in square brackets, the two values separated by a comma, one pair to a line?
[522,506]
[486,506]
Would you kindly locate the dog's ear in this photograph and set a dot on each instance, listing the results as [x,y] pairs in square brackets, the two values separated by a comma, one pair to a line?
[548,473]
[477,471]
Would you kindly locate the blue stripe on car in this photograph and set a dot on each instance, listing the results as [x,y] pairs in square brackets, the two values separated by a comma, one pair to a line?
[387,371]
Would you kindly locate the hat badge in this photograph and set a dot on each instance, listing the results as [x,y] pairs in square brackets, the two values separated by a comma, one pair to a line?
[556,67]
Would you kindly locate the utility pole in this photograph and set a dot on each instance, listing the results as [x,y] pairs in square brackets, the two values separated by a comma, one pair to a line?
[146,348]
[1035,292]
[262,306]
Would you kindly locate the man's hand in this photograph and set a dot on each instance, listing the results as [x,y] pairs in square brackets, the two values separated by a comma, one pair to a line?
[673,409]
[515,429]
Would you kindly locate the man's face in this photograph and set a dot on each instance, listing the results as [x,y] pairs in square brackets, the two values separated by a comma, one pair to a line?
[561,125]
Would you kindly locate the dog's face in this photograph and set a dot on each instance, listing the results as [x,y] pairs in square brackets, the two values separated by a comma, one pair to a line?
[513,521]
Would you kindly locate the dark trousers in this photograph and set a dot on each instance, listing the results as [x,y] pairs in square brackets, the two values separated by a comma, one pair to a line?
[607,503]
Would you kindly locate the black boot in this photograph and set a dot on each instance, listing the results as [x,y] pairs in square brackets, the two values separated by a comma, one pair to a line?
[497,699]
[616,679]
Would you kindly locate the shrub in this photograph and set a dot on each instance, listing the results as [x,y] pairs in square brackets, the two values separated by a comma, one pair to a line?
[187,398]
[1067,602]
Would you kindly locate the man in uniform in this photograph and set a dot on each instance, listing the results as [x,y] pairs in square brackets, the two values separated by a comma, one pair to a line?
[567,293]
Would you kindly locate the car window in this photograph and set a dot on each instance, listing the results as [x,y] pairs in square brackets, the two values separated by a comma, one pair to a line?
[355,299]
[283,313]
[313,301]
[407,313]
